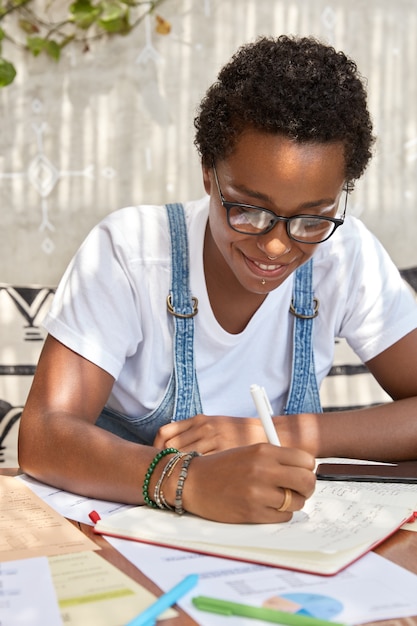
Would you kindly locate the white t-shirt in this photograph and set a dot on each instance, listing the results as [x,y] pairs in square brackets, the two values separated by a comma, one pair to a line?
[110,307]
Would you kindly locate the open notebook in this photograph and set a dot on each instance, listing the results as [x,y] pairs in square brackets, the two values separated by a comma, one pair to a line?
[339,523]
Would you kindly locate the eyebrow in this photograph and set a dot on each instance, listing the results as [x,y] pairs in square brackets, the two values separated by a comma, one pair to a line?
[257,195]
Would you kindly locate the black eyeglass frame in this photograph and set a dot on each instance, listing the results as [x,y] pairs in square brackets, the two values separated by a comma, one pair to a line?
[336,221]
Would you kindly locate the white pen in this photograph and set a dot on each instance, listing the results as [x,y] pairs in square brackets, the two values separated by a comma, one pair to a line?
[263,406]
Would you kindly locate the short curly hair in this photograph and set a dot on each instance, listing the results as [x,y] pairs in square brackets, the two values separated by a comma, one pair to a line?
[295,86]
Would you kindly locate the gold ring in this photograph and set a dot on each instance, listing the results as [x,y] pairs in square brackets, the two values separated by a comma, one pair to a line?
[287,500]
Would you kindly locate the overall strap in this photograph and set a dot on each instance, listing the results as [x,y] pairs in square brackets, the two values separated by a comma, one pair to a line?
[304,394]
[183,307]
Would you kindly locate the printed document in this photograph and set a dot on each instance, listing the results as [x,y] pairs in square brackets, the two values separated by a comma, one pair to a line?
[30,528]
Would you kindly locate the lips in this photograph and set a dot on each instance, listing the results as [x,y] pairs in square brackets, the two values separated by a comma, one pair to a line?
[266,270]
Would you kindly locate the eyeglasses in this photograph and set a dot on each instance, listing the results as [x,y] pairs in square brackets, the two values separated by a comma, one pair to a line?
[252,220]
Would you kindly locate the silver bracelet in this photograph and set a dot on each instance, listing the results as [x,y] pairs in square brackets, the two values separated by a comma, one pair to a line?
[180,485]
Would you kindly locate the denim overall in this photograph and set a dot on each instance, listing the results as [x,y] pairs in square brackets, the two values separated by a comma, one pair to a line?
[182,398]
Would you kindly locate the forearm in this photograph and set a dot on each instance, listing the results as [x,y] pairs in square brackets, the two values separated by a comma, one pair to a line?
[58,440]
[83,458]
[385,432]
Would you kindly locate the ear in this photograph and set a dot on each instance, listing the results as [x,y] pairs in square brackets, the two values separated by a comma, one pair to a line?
[207,179]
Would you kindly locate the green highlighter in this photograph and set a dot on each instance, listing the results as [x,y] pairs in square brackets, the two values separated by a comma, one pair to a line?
[224,607]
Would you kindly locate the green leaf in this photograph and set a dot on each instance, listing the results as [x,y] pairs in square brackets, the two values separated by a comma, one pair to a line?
[2,34]
[84,13]
[36,45]
[114,18]
[7,73]
[53,49]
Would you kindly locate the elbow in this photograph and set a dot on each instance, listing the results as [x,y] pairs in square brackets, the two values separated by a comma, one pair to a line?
[23,452]
[28,450]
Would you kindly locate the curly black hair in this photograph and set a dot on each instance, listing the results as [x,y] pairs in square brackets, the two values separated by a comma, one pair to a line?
[295,86]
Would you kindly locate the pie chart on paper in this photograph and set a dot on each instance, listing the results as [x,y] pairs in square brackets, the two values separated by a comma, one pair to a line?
[311,604]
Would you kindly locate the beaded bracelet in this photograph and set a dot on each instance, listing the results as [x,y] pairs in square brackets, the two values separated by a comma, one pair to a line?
[158,495]
[181,455]
[149,472]
[180,485]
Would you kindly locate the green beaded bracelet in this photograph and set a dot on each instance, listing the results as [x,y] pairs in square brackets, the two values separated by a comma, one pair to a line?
[149,472]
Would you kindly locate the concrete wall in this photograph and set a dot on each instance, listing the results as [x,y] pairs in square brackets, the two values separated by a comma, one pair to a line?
[113,126]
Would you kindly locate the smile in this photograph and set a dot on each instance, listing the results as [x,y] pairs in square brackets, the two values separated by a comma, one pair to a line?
[266,268]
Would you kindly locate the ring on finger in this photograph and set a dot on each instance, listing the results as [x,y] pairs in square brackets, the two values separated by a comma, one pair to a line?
[287,500]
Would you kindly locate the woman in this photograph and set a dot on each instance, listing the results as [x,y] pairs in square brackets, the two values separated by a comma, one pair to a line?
[139,368]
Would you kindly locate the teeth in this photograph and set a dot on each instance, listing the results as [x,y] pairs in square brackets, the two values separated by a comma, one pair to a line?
[266,268]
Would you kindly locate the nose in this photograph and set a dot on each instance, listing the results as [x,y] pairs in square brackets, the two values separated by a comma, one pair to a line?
[276,243]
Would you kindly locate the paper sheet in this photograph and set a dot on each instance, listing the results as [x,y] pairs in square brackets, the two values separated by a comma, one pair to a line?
[70,505]
[402,492]
[94,592]
[27,595]
[30,528]
[370,590]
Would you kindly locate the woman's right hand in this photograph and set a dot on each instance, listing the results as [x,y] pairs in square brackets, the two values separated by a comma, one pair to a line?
[247,484]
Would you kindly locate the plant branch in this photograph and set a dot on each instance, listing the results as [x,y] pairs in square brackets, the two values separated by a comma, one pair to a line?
[84,22]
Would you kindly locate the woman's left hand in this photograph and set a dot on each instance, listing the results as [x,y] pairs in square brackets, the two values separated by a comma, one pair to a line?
[210,433]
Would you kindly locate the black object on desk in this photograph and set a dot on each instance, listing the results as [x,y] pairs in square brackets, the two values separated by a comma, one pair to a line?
[403,472]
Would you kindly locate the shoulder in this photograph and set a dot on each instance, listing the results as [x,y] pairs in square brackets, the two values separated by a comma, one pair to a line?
[356,264]
[142,231]
[127,223]
[361,290]
[145,215]
[350,236]
[352,248]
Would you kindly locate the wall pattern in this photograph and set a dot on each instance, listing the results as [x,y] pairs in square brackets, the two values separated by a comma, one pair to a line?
[114,125]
